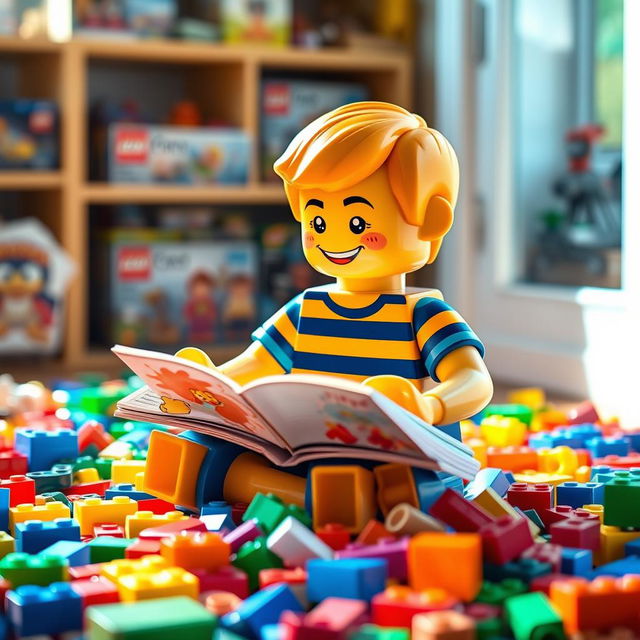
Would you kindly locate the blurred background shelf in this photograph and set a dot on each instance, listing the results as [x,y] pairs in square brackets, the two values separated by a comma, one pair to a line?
[30,180]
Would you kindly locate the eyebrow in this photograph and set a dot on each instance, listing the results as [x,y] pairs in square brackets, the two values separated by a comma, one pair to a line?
[316,202]
[356,200]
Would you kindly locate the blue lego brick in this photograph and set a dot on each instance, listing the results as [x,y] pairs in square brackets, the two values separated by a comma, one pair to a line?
[532,514]
[428,487]
[451,482]
[138,438]
[271,632]
[33,536]
[487,478]
[59,477]
[44,448]
[577,494]
[77,553]
[126,489]
[217,516]
[601,447]
[632,548]
[215,507]
[634,441]
[261,608]
[576,562]
[617,568]
[550,439]
[48,610]
[356,578]
[4,510]
[601,473]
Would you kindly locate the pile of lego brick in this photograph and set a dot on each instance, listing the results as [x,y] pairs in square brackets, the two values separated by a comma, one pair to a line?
[544,543]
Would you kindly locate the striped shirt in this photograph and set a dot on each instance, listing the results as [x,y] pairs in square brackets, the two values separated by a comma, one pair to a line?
[321,331]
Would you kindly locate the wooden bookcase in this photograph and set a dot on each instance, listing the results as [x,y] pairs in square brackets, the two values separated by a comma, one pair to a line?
[224,79]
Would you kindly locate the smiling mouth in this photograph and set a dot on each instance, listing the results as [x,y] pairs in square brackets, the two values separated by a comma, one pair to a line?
[341,257]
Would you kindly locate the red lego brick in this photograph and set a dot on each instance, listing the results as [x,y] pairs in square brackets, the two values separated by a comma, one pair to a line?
[99,487]
[22,490]
[334,535]
[332,619]
[543,583]
[547,553]
[619,462]
[237,511]
[458,512]
[141,548]
[580,531]
[584,457]
[505,539]
[92,432]
[155,505]
[191,525]
[530,496]
[108,529]
[12,463]
[95,590]
[268,577]
[396,606]
[584,412]
[512,458]
[85,571]
[224,579]
[557,514]
[372,532]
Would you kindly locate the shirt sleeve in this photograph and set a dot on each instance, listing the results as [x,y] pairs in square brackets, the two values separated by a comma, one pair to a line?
[278,334]
[439,330]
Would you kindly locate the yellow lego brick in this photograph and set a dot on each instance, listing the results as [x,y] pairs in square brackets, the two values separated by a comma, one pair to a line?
[142,520]
[596,509]
[468,430]
[92,511]
[532,397]
[7,544]
[479,448]
[490,501]
[126,470]
[116,569]
[139,481]
[39,500]
[498,431]
[117,450]
[559,460]
[86,475]
[583,474]
[538,477]
[172,469]
[174,581]
[612,541]
[43,512]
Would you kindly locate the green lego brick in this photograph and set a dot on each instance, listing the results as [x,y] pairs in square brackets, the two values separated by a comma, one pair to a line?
[519,411]
[161,619]
[83,462]
[489,629]
[254,556]
[22,568]
[60,476]
[107,548]
[103,465]
[102,400]
[532,617]
[622,499]
[497,592]
[374,632]
[270,511]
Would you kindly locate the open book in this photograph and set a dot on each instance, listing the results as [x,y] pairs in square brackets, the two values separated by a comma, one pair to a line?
[288,418]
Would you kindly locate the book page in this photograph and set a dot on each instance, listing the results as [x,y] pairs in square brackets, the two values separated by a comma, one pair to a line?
[187,390]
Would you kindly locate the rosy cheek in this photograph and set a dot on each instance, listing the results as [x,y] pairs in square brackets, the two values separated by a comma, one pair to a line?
[308,240]
[374,240]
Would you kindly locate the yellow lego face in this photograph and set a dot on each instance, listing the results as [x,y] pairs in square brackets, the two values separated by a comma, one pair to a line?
[359,232]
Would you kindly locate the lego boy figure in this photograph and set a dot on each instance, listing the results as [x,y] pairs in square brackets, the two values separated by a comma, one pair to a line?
[374,190]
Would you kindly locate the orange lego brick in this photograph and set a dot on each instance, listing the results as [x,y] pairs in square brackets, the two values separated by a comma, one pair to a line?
[372,532]
[443,625]
[141,520]
[395,485]
[172,469]
[434,559]
[196,551]
[45,512]
[512,458]
[547,420]
[603,603]
[173,581]
[344,495]
[92,511]
[479,448]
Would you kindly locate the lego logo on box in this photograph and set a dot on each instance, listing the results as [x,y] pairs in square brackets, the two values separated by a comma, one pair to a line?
[134,263]
[132,146]
[277,99]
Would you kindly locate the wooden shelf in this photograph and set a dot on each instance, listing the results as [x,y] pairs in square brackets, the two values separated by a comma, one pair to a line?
[105,193]
[20,45]
[29,180]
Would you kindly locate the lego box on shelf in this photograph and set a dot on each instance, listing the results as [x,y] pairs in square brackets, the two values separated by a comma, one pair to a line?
[289,105]
[147,154]
[34,273]
[28,134]
[167,293]
[263,22]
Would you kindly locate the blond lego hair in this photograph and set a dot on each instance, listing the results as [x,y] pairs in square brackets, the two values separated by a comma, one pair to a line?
[347,145]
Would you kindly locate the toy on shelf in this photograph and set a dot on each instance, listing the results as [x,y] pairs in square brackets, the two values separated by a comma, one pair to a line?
[258,21]
[34,274]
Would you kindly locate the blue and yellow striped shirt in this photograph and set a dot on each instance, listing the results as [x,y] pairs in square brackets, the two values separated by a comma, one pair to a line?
[321,331]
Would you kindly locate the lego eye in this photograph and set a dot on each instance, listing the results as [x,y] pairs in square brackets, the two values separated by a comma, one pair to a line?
[31,272]
[319,224]
[357,224]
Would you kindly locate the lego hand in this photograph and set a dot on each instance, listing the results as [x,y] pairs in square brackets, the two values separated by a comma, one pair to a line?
[404,393]
[196,355]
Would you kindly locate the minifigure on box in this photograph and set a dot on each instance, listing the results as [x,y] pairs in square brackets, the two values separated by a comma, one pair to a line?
[240,307]
[200,309]
[373,188]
